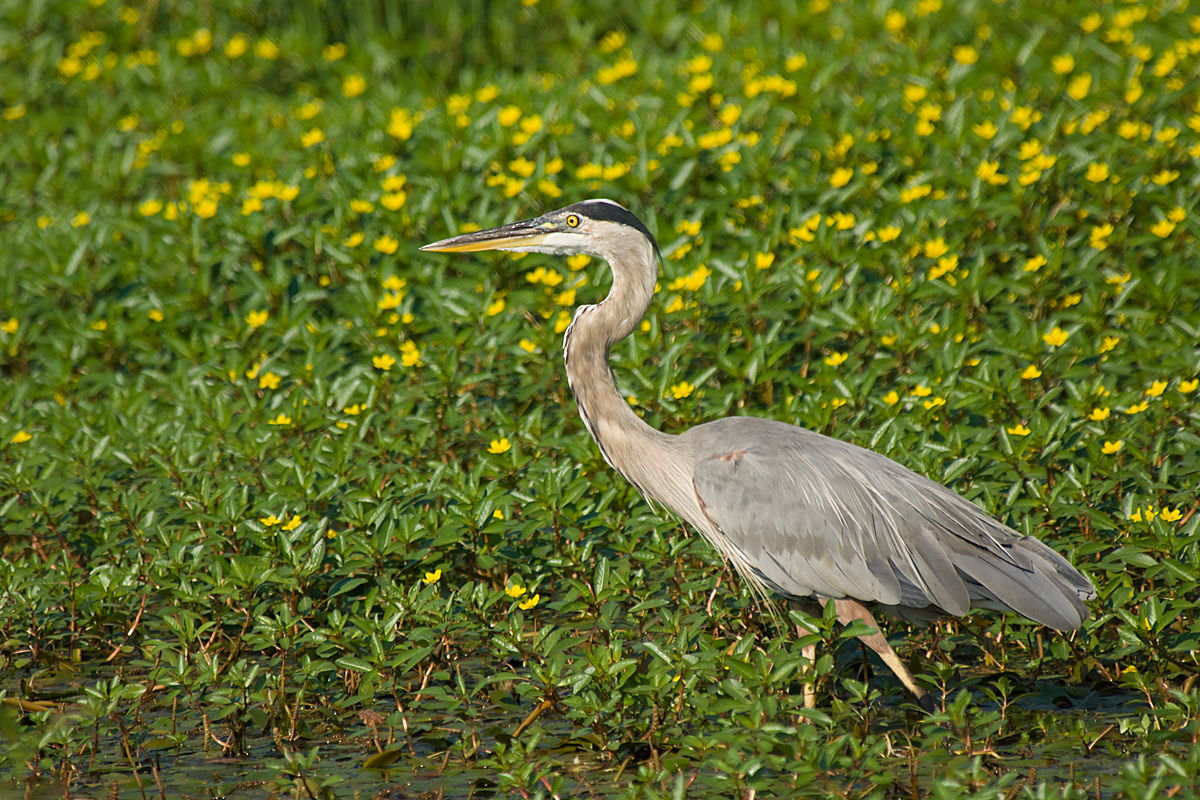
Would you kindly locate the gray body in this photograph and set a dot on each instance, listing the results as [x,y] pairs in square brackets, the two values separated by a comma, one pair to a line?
[811,517]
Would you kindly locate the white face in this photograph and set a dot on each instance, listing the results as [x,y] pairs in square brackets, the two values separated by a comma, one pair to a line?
[558,244]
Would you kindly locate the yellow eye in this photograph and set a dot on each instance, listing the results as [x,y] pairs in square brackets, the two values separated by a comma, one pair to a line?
[573,221]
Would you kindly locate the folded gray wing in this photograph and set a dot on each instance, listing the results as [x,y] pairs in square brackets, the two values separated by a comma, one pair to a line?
[815,515]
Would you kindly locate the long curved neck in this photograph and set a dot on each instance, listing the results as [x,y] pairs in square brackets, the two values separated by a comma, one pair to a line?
[627,443]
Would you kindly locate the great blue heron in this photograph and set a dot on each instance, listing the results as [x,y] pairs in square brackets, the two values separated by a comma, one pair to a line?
[811,517]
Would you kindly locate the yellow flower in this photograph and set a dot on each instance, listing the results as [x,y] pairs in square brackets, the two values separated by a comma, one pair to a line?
[384,362]
[1097,172]
[1024,116]
[966,54]
[496,307]
[1034,264]
[1062,64]
[834,359]
[270,521]
[1018,430]
[155,315]
[1056,337]
[1137,408]
[894,21]
[386,244]
[888,233]
[292,524]
[315,136]
[1091,22]
[1136,516]
[527,345]
[1163,228]
[681,390]
[1177,214]
[498,514]
[612,42]
[1167,134]
[237,46]
[891,398]
[1108,343]
[1171,514]
[432,577]
[282,419]
[1099,414]
[266,49]
[515,591]
[81,219]
[1031,372]
[922,391]
[1164,177]
[498,446]
[989,171]
[410,356]
[250,205]
[1108,448]
[530,603]
[935,248]
[934,402]
[256,319]
[1187,387]
[100,325]
[393,200]
[20,437]
[509,115]
[354,85]
[354,239]
[1079,86]
[401,123]
[840,177]
[206,208]
[333,52]
[985,130]
[353,410]
[269,381]
[1156,389]
[763,260]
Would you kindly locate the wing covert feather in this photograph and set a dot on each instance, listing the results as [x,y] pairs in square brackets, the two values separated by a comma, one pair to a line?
[820,516]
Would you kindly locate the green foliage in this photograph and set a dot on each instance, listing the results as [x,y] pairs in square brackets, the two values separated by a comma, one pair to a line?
[277,486]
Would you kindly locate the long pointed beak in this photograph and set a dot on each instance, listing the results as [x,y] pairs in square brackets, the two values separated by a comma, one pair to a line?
[517,234]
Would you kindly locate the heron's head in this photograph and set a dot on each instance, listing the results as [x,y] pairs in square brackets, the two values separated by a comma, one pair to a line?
[593,227]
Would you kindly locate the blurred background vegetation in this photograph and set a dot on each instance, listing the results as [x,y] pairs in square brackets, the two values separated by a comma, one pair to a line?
[288,506]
